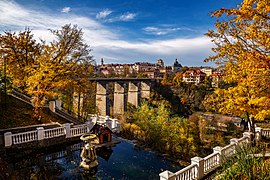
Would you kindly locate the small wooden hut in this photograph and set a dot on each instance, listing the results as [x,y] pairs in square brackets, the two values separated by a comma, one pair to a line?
[103,133]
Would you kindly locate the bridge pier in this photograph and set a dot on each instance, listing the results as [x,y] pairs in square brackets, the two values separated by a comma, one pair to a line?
[102,99]
[133,93]
[145,90]
[126,90]
[119,103]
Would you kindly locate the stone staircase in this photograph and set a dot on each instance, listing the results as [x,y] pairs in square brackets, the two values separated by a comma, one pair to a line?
[21,97]
[67,116]
[56,110]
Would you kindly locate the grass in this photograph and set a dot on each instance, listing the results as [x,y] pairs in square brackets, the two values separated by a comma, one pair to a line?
[245,166]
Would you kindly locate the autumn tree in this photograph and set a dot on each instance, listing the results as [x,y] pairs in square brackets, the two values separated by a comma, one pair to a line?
[178,78]
[21,52]
[243,45]
[63,61]
[44,69]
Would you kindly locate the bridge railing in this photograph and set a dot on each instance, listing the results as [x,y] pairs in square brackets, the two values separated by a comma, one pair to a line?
[211,162]
[113,124]
[67,130]
[79,130]
[25,137]
[266,133]
[187,173]
[55,132]
[200,167]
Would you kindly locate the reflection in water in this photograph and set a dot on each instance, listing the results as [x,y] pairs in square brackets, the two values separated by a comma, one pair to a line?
[124,161]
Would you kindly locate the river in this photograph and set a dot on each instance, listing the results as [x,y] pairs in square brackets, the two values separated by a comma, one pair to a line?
[123,161]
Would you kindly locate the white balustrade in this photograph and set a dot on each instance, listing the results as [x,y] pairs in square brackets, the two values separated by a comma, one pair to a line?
[41,133]
[78,131]
[202,166]
[228,150]
[187,173]
[114,123]
[55,132]
[211,162]
[24,137]
[266,133]
[243,140]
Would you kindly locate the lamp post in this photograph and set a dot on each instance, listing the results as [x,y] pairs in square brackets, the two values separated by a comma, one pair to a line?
[5,81]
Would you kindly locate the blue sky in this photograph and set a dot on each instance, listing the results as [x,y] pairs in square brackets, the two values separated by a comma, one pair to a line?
[124,31]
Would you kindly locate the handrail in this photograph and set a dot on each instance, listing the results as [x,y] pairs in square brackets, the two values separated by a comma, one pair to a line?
[67,130]
[24,137]
[187,173]
[78,131]
[266,133]
[55,132]
[67,116]
[212,161]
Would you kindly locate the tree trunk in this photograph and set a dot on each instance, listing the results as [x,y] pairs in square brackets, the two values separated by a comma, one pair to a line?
[252,126]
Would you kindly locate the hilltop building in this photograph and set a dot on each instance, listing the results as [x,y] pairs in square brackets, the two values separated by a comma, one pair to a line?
[177,67]
[195,76]
[216,78]
[160,63]
[152,70]
[207,71]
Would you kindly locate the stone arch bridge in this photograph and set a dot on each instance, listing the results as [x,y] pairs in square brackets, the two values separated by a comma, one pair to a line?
[125,90]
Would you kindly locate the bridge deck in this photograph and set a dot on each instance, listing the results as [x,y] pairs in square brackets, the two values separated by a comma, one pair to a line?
[121,79]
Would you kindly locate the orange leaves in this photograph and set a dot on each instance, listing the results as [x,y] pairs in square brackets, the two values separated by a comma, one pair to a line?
[242,46]
[43,69]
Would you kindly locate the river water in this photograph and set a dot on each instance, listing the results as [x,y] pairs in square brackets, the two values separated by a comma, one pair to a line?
[124,161]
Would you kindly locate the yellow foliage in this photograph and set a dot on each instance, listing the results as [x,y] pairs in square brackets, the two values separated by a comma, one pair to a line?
[242,46]
[43,69]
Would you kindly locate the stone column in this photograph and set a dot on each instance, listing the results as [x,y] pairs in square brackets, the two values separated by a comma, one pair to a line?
[8,139]
[258,133]
[52,106]
[166,175]
[200,163]
[248,135]
[133,93]
[40,133]
[58,104]
[102,99]
[219,150]
[119,102]
[109,123]
[233,140]
[113,123]
[89,126]
[145,90]
[67,130]
[118,127]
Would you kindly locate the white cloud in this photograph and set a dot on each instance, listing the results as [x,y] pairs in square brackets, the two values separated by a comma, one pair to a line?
[66,10]
[127,16]
[104,42]
[103,14]
[164,30]
[191,51]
